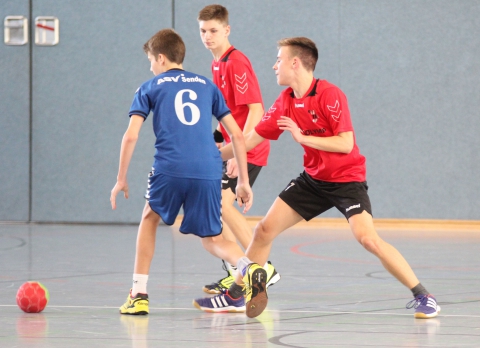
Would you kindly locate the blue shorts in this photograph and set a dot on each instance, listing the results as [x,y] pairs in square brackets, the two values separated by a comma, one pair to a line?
[201,200]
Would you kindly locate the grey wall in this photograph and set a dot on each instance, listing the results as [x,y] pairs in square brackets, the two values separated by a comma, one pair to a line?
[410,70]
[14,123]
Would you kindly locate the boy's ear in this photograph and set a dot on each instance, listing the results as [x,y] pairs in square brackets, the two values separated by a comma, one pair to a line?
[227,30]
[161,58]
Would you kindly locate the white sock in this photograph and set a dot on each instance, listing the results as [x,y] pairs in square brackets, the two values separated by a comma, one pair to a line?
[139,284]
[265,265]
[233,270]
[242,263]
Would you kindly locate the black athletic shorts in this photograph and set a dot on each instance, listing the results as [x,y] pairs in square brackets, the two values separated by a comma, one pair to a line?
[253,171]
[310,197]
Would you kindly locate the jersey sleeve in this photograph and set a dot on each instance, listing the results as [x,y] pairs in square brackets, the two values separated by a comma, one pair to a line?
[268,128]
[219,107]
[141,104]
[244,82]
[335,107]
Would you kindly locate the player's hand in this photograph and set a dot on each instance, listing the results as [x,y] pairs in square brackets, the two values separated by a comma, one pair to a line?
[286,123]
[119,186]
[244,197]
[232,168]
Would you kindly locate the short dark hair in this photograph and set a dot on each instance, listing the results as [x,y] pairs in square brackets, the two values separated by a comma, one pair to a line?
[304,48]
[166,42]
[217,12]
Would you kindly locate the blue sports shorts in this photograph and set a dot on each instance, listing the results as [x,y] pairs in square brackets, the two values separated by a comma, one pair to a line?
[200,198]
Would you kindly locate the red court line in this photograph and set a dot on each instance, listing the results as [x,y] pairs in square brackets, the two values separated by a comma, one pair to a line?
[296,250]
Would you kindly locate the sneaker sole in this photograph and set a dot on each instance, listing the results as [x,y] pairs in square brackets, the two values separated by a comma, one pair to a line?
[259,299]
[220,310]
[427,316]
[133,311]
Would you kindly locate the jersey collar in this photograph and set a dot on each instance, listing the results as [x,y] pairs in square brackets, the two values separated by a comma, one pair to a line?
[312,91]
[227,52]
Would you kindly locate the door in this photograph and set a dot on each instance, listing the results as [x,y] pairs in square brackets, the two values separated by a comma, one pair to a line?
[81,90]
[14,121]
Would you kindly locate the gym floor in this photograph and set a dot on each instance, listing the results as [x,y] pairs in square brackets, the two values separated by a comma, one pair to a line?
[332,293]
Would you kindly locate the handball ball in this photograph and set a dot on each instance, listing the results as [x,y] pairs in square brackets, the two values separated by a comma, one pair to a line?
[32,297]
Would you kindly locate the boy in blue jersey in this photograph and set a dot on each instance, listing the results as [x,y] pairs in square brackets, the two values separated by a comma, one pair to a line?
[187,167]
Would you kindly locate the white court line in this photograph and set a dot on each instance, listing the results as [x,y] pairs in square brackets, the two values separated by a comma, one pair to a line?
[270,310]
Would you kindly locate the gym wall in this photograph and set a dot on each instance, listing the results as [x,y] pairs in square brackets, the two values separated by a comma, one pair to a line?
[410,71]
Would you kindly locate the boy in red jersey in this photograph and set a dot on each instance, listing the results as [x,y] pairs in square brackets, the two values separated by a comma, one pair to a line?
[316,114]
[234,76]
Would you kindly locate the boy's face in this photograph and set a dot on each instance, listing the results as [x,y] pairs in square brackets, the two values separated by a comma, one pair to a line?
[155,65]
[213,33]
[283,66]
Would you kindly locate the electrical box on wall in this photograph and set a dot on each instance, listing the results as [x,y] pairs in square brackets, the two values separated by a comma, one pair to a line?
[15,30]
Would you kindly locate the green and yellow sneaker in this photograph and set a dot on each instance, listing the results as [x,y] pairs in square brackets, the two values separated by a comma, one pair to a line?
[255,283]
[223,284]
[137,305]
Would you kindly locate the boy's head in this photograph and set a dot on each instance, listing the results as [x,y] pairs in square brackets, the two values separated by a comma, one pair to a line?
[214,12]
[303,48]
[168,43]
[214,28]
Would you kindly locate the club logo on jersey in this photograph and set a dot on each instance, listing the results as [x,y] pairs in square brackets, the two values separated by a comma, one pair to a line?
[268,114]
[335,111]
[182,77]
[313,131]
[241,83]
[223,81]
[314,116]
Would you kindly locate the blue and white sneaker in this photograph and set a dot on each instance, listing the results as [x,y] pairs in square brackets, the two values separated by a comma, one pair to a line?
[222,303]
[425,307]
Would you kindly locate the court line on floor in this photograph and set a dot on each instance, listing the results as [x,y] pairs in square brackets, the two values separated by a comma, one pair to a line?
[270,310]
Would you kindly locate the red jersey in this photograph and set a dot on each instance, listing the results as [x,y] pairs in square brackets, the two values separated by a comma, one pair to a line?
[322,112]
[234,76]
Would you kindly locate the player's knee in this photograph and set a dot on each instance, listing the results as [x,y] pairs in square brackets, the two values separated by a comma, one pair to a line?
[371,244]
[262,233]
[207,243]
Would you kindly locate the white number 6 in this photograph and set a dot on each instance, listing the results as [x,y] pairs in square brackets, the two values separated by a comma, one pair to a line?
[179,106]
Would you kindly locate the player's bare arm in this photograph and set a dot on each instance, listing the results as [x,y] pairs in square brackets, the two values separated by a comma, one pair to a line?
[255,114]
[252,139]
[243,191]
[343,142]
[126,151]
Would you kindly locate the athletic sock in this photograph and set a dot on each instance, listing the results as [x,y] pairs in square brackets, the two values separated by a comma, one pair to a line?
[139,284]
[242,264]
[235,291]
[233,270]
[419,290]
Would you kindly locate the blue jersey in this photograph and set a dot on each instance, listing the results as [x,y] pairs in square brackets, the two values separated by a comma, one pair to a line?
[183,104]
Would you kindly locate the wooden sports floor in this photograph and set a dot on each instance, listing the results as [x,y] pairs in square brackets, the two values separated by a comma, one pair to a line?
[332,292]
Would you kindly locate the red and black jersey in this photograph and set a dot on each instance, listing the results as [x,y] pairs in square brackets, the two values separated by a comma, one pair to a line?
[234,76]
[322,112]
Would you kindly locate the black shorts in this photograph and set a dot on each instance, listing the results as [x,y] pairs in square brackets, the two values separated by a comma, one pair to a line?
[253,171]
[310,197]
